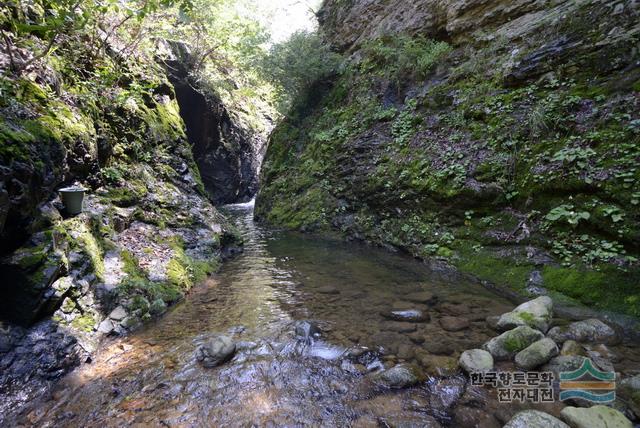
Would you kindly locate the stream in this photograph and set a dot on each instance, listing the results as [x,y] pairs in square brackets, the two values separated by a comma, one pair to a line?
[151,378]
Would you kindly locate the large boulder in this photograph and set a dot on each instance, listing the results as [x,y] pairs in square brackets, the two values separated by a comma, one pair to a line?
[216,351]
[536,354]
[536,313]
[400,376]
[511,342]
[595,417]
[476,361]
[591,330]
[564,363]
[534,419]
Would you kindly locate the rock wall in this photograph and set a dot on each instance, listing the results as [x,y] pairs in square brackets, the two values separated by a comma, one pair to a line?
[148,232]
[500,137]
[228,154]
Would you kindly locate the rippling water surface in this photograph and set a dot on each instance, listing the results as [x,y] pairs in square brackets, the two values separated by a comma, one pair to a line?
[151,378]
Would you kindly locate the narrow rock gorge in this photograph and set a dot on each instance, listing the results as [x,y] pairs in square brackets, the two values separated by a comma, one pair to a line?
[358,213]
[498,137]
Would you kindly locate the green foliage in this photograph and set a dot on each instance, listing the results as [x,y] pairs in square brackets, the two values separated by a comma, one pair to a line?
[566,212]
[401,57]
[295,65]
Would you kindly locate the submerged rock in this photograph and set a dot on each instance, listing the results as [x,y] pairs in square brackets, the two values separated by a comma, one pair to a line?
[410,315]
[422,297]
[536,313]
[534,419]
[591,330]
[439,365]
[400,376]
[511,342]
[536,354]
[476,360]
[216,351]
[453,323]
[595,417]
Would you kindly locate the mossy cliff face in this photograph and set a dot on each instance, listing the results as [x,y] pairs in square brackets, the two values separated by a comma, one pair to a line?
[503,137]
[148,232]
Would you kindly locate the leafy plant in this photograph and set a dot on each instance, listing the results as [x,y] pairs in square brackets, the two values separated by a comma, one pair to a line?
[567,213]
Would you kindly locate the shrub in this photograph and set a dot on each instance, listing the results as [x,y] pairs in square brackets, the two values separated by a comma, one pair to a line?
[296,64]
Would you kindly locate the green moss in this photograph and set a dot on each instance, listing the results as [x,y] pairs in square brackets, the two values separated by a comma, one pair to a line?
[514,343]
[84,322]
[498,270]
[609,288]
[178,275]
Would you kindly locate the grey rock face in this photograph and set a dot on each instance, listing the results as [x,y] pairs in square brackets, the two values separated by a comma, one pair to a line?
[591,330]
[476,360]
[227,154]
[216,351]
[595,417]
[535,313]
[511,342]
[563,364]
[535,419]
[536,354]
[400,376]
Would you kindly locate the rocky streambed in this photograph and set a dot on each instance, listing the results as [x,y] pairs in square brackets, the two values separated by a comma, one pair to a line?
[301,331]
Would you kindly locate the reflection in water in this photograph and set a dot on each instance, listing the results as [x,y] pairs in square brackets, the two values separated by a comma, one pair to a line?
[151,377]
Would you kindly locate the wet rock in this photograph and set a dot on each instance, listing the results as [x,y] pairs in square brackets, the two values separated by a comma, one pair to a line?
[563,364]
[535,419]
[492,322]
[629,391]
[445,393]
[307,330]
[467,416]
[399,327]
[439,365]
[453,323]
[511,342]
[571,347]
[216,351]
[408,420]
[535,313]
[410,315]
[439,347]
[536,354]
[118,314]
[417,338]
[400,376]
[329,289]
[595,417]
[455,309]
[106,327]
[591,330]
[422,297]
[476,361]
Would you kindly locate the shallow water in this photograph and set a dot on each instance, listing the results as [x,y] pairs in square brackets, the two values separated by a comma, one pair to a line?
[275,379]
